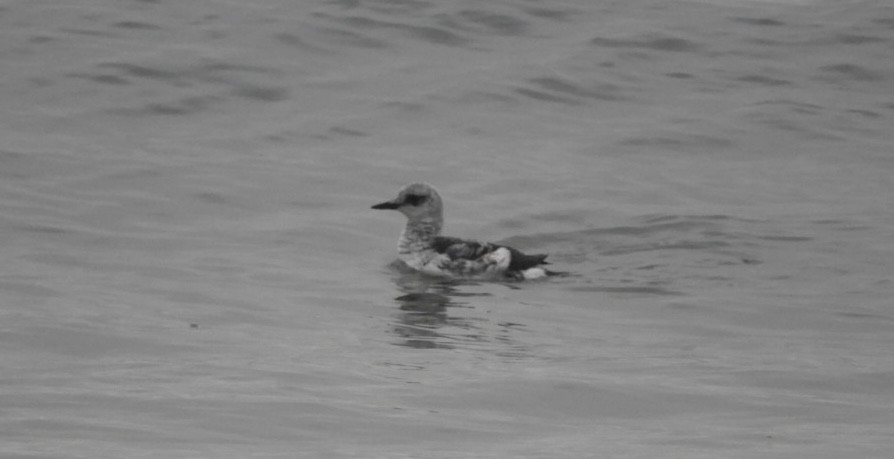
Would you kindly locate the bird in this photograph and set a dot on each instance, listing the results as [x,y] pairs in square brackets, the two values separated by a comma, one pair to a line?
[422,247]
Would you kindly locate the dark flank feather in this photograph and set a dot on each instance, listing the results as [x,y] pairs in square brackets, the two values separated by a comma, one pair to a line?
[461,249]
[521,261]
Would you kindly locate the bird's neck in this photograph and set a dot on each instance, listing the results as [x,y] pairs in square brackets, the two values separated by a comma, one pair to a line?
[419,234]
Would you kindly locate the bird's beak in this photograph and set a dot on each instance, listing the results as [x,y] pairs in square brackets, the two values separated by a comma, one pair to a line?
[386,205]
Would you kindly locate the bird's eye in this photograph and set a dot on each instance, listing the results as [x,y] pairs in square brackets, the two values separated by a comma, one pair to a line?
[414,199]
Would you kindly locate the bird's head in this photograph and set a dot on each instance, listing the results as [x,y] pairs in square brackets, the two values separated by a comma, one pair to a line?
[416,201]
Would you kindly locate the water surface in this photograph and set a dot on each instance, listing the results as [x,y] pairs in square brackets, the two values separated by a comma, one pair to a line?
[192,269]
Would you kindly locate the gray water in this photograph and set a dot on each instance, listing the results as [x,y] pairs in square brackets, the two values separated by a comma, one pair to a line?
[191,268]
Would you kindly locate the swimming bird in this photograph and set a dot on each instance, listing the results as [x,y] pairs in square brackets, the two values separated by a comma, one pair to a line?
[422,248]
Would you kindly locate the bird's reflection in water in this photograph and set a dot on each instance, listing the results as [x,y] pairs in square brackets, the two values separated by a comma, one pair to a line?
[431,317]
[424,321]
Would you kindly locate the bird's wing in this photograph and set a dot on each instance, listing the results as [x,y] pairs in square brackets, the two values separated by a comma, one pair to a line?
[462,249]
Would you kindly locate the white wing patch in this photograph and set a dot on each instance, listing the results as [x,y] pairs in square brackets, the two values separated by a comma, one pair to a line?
[498,260]
[533,273]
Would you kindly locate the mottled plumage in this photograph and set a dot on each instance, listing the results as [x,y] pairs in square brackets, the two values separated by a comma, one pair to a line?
[422,247]
[457,248]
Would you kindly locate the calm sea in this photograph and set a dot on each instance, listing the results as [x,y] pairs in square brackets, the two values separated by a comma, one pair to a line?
[191,268]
